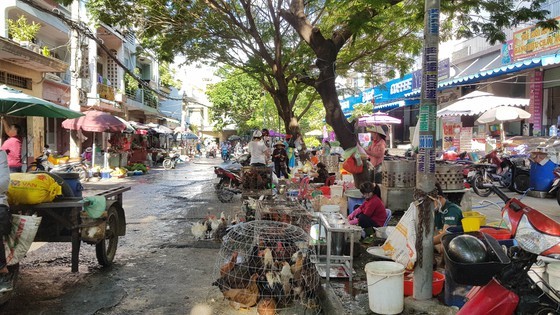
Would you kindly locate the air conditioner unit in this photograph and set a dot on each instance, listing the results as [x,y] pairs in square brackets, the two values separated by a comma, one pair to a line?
[52,77]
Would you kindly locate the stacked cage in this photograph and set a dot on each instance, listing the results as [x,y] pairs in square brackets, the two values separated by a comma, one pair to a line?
[256,180]
[268,265]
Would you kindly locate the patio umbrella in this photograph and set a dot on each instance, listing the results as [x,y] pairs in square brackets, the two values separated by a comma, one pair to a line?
[16,103]
[95,121]
[190,136]
[478,102]
[234,138]
[501,114]
[378,119]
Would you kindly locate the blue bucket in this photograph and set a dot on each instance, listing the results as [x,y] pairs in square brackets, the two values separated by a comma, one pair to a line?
[73,180]
[542,176]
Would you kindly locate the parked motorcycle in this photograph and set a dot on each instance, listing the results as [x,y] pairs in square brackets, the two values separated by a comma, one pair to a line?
[511,289]
[171,161]
[555,189]
[73,166]
[42,162]
[508,173]
[229,183]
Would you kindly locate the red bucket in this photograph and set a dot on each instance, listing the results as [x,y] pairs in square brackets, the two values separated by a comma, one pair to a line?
[497,233]
[438,279]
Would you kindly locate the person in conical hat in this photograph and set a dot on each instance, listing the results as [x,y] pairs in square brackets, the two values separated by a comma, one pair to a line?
[376,151]
[280,159]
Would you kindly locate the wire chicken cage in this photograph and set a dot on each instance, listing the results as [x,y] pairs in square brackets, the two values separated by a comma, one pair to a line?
[268,265]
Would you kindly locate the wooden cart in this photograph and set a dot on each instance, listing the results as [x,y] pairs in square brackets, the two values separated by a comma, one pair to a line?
[64,221]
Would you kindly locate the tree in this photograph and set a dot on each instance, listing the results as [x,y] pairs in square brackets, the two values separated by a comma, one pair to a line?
[323,39]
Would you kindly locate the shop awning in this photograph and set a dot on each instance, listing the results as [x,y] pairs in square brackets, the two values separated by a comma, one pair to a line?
[396,104]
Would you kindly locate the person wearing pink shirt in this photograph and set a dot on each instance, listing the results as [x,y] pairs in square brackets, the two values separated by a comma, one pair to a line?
[372,212]
[376,152]
[12,145]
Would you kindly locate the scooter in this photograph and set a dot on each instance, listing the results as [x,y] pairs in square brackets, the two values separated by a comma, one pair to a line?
[508,173]
[42,162]
[73,166]
[229,183]
[171,161]
[555,189]
[225,155]
[511,290]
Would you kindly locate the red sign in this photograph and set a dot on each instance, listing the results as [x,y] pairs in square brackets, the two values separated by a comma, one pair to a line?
[536,100]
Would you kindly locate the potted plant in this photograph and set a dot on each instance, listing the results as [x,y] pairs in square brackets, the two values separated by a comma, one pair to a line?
[21,31]
[45,51]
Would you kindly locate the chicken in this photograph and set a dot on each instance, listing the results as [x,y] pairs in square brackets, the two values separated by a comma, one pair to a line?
[221,230]
[270,286]
[246,297]
[235,219]
[297,266]
[266,307]
[285,277]
[199,230]
[268,260]
[226,268]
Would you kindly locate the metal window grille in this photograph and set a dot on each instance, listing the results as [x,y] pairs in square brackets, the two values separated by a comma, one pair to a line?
[15,80]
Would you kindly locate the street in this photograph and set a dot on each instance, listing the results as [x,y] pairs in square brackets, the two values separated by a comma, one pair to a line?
[159,268]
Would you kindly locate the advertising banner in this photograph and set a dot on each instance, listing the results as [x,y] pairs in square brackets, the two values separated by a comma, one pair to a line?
[533,40]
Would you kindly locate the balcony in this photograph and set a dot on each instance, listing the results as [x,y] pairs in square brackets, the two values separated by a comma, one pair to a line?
[142,100]
[13,53]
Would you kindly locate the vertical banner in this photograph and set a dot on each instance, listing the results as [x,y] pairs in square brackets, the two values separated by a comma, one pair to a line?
[465,139]
[536,100]
[451,132]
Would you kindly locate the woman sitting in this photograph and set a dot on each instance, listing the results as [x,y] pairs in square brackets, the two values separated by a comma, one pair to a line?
[321,175]
[372,212]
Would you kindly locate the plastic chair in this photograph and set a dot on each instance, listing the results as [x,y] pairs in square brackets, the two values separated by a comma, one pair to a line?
[330,180]
[389,214]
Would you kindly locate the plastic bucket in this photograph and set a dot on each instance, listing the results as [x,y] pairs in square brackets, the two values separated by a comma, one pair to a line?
[542,176]
[385,282]
[73,180]
[336,190]
[553,272]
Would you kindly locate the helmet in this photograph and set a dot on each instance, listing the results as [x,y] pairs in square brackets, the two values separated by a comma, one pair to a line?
[257,134]
[467,249]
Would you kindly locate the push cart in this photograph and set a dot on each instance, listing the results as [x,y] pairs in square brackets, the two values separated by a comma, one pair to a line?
[64,221]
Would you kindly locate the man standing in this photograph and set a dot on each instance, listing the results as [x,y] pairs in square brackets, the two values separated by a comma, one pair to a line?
[258,150]
[5,222]
[12,146]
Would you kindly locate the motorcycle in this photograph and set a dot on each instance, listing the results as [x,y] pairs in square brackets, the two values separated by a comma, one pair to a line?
[229,183]
[507,172]
[211,153]
[555,189]
[42,162]
[225,155]
[171,161]
[513,288]
[73,166]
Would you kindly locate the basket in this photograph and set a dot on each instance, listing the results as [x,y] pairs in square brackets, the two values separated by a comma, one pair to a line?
[475,214]
[475,273]
[470,224]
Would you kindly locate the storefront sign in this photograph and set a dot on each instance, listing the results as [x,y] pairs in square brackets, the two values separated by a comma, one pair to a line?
[465,139]
[536,99]
[532,40]
[451,132]
[443,74]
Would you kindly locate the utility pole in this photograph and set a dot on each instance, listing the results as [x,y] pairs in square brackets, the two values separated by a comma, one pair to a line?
[75,74]
[426,166]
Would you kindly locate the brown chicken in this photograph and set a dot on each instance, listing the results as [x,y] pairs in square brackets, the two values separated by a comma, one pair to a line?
[246,297]
[266,307]
[226,268]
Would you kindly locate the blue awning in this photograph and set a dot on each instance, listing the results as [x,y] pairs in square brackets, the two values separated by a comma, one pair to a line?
[392,105]
[526,64]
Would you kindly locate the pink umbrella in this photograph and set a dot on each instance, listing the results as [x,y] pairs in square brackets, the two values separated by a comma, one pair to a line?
[378,118]
[95,121]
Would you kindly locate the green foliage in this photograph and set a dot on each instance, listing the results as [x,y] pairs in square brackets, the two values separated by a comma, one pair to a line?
[137,167]
[311,142]
[22,31]
[167,76]
[360,110]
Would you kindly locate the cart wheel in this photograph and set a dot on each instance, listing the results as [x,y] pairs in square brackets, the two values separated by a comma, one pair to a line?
[105,250]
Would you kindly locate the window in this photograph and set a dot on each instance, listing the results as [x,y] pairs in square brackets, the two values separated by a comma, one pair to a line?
[15,80]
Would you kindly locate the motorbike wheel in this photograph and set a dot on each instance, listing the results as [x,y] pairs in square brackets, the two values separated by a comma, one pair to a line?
[478,180]
[220,185]
[506,179]
[225,195]
[105,250]
[167,164]
[521,183]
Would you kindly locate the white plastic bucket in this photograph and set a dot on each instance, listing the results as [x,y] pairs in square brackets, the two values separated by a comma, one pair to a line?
[385,282]
[336,190]
[330,209]
[553,272]
[538,275]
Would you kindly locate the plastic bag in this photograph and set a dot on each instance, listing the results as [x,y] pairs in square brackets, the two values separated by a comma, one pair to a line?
[351,165]
[401,243]
[30,189]
[18,242]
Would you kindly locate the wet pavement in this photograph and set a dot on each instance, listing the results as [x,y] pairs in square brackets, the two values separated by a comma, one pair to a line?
[159,267]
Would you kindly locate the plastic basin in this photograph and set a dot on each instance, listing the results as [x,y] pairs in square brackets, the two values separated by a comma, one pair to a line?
[438,280]
[497,233]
